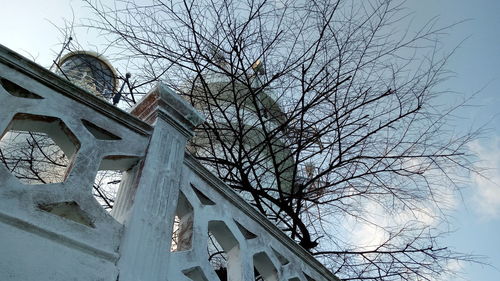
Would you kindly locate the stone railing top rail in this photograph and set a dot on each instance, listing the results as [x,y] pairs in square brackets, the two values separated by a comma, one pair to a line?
[66,88]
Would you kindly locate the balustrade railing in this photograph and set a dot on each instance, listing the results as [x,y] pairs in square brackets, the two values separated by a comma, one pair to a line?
[171,220]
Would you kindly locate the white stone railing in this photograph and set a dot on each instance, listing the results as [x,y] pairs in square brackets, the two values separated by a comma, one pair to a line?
[58,230]
[169,209]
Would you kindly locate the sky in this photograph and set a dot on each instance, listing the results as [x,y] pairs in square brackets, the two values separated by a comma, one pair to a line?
[476,67]
[28,27]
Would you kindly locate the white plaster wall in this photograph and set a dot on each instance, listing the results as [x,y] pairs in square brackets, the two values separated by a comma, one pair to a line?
[27,256]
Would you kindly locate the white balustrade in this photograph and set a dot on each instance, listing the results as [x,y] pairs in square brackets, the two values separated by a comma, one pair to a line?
[170,214]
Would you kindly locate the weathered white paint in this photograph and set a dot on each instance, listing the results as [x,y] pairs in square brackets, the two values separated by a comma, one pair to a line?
[59,232]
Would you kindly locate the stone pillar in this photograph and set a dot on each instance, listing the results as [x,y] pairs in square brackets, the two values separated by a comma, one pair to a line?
[147,204]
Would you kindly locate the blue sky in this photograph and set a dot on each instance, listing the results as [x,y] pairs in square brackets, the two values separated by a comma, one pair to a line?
[25,28]
[476,67]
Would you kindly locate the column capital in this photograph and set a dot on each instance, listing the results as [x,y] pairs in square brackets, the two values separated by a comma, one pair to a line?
[161,102]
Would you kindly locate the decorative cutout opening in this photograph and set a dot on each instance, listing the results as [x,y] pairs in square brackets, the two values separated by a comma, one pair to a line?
[217,257]
[118,162]
[281,258]
[109,177]
[98,132]
[195,274]
[17,91]
[246,233]
[202,197]
[256,275]
[223,250]
[264,268]
[68,210]
[37,149]
[105,188]
[33,158]
[182,233]
[309,278]
[52,126]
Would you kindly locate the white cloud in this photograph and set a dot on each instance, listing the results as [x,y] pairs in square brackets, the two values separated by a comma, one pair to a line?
[486,197]
[371,230]
[454,271]
[365,234]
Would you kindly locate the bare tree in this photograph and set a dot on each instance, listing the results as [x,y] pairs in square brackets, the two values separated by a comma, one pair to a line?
[321,113]
[32,157]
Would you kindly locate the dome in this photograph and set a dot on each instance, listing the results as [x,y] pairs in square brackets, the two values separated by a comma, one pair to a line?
[89,71]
